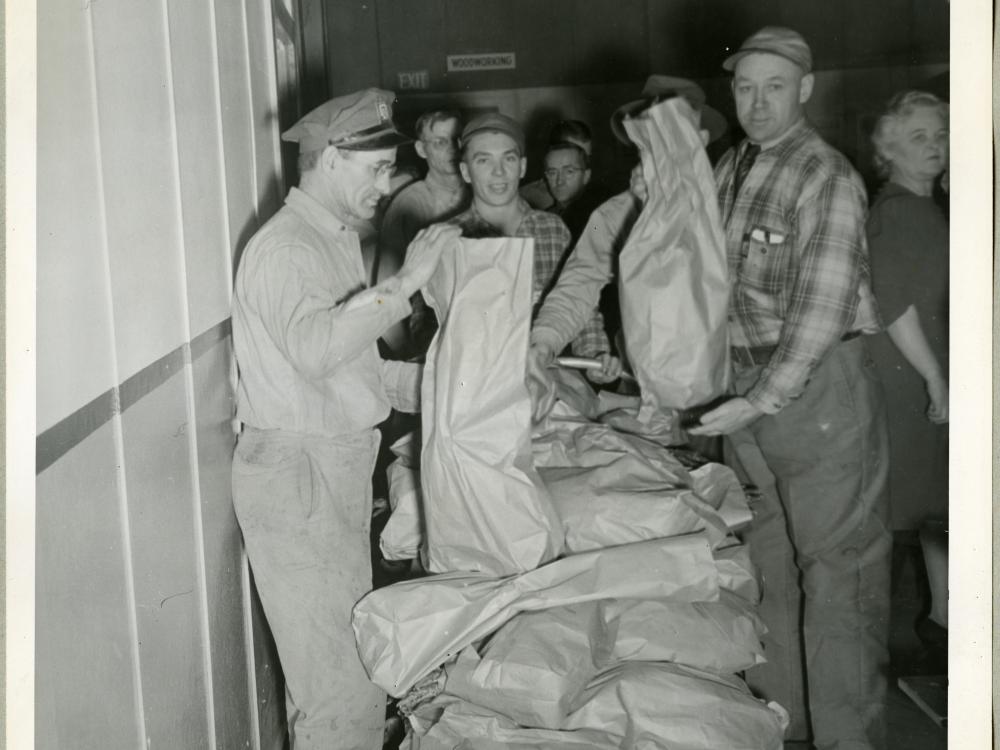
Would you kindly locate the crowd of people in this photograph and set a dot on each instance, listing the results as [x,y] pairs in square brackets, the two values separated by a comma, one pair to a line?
[811,267]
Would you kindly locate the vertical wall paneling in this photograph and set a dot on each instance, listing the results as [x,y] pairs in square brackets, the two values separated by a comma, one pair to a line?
[201,184]
[235,723]
[137,151]
[159,476]
[264,105]
[86,694]
[237,122]
[73,310]
[313,79]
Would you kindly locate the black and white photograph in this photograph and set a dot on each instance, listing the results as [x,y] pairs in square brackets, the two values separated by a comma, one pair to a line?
[498,375]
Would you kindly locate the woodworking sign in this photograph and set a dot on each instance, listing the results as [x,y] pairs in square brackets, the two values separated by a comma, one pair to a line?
[484,61]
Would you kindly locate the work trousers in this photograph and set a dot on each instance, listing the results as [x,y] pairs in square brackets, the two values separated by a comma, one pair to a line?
[304,506]
[821,540]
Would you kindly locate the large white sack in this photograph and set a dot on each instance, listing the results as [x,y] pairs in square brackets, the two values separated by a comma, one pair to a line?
[533,668]
[405,630]
[672,707]
[673,274]
[402,534]
[466,726]
[722,636]
[485,509]
[719,486]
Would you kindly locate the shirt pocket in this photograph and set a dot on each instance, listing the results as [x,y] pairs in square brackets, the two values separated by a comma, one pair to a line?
[764,258]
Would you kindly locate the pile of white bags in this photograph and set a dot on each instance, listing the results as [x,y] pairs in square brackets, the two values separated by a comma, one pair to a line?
[587,590]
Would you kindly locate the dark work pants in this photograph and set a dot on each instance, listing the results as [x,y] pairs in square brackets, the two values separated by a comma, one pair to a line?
[821,540]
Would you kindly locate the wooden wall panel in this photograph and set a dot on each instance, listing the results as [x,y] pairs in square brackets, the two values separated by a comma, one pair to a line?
[74,362]
[236,121]
[222,545]
[207,262]
[138,151]
[159,483]
[353,45]
[264,107]
[85,687]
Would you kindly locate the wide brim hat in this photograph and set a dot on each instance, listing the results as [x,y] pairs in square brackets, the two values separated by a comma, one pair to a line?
[660,88]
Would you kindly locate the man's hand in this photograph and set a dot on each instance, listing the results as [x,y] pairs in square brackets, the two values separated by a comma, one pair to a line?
[539,384]
[423,254]
[610,369]
[727,418]
[637,184]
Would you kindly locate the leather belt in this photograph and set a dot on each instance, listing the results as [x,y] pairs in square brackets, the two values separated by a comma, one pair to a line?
[748,356]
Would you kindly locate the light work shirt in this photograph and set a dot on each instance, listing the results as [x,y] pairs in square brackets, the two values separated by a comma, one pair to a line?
[305,327]
[569,307]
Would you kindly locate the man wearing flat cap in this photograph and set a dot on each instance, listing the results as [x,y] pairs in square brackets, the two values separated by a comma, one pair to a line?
[311,390]
[493,163]
[807,425]
[591,265]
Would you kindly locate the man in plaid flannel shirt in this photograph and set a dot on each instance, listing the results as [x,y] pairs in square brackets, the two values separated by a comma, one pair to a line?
[493,164]
[808,424]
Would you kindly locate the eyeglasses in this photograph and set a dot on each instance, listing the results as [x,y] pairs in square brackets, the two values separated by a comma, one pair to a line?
[567,173]
[440,143]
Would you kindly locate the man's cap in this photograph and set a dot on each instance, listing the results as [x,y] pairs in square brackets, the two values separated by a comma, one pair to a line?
[659,88]
[774,40]
[494,122]
[361,121]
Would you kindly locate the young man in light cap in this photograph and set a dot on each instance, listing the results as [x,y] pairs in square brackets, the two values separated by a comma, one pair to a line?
[591,265]
[807,425]
[493,164]
[311,390]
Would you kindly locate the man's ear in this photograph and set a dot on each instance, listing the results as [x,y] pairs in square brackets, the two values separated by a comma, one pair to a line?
[524,167]
[586,175]
[806,87]
[421,149]
[330,157]
[464,169]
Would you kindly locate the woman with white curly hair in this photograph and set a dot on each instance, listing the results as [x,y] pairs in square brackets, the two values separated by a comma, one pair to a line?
[908,245]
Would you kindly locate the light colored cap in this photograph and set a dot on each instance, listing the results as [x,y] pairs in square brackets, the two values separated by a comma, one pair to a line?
[774,40]
[361,121]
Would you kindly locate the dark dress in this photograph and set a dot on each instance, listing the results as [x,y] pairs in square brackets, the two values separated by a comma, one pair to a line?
[908,244]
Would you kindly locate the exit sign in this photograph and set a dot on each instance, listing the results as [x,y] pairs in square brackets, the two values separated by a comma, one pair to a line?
[414,79]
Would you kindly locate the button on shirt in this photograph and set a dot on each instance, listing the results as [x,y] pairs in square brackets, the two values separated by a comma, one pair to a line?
[305,327]
[798,258]
[552,240]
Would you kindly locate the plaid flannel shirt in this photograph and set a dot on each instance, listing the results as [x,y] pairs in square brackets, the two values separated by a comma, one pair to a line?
[552,240]
[798,257]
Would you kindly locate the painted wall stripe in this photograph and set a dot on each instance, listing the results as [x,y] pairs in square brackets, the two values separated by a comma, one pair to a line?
[67,433]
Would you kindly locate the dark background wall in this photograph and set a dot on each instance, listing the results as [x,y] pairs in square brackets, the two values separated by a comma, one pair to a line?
[582,58]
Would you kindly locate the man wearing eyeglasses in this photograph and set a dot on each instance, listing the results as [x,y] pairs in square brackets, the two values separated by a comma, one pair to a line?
[567,175]
[439,196]
[311,390]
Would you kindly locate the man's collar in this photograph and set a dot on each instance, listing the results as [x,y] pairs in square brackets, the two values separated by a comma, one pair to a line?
[316,213]
[441,183]
[787,137]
